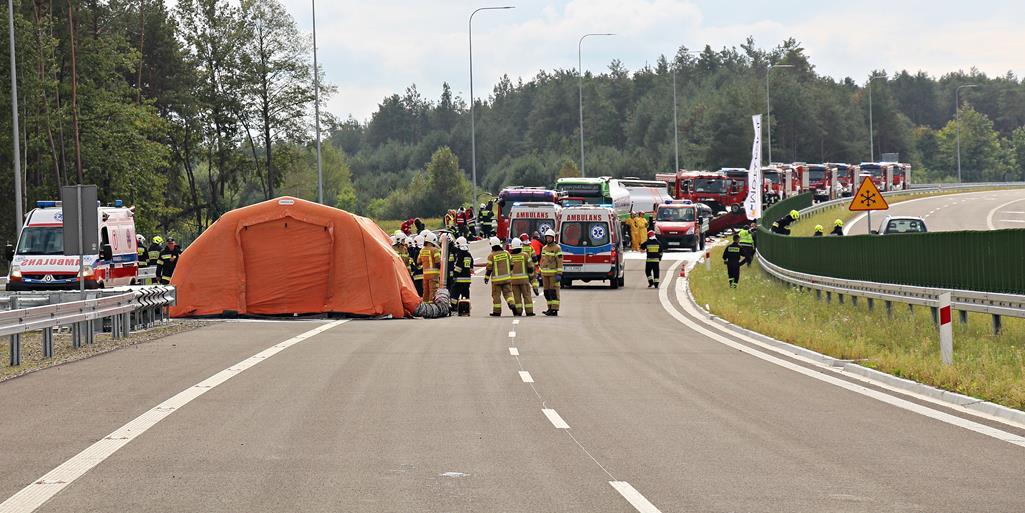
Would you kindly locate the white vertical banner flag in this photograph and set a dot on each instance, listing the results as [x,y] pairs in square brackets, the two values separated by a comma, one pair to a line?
[753,202]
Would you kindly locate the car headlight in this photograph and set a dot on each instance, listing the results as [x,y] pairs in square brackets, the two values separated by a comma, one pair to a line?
[658,230]
[16,271]
[690,230]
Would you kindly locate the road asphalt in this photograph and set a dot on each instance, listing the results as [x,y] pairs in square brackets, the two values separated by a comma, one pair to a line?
[489,415]
[984,210]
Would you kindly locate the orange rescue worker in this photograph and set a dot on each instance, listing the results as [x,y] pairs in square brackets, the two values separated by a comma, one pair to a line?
[499,272]
[430,262]
[522,279]
[551,272]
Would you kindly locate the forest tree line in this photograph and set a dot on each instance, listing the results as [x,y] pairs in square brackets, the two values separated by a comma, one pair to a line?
[191,111]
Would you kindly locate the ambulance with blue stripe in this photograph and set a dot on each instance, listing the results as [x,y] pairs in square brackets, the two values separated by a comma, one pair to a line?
[592,245]
[39,263]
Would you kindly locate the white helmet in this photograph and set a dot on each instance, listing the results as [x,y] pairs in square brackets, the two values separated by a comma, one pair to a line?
[419,241]
[410,241]
[482,206]
[550,233]
[140,239]
[494,241]
[431,238]
[424,232]
[462,244]
[516,244]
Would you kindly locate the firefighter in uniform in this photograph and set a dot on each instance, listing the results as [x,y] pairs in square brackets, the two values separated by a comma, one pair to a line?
[522,279]
[527,248]
[782,225]
[732,257]
[414,264]
[168,260]
[818,230]
[653,249]
[462,271]
[398,243]
[430,264]
[499,272]
[551,272]
[837,228]
[747,245]
[140,252]
[153,255]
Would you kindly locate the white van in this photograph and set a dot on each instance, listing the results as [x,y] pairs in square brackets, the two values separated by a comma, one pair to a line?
[592,245]
[38,261]
[533,216]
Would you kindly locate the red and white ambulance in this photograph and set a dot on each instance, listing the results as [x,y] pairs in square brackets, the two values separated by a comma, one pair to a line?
[592,245]
[38,262]
[533,216]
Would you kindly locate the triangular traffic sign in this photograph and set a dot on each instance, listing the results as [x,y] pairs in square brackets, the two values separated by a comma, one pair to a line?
[868,198]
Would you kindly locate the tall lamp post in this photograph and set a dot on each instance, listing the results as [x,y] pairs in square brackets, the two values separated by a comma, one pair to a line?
[768,105]
[316,106]
[473,130]
[14,126]
[580,73]
[957,123]
[676,135]
[871,133]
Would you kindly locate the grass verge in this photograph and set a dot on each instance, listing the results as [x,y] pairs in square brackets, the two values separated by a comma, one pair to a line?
[985,366]
[63,352]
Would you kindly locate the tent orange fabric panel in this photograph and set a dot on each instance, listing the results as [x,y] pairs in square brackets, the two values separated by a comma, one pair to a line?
[290,256]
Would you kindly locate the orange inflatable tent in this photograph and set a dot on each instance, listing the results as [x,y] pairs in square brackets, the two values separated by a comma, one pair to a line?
[290,256]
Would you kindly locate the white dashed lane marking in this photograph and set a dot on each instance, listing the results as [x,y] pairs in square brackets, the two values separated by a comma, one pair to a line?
[554,418]
[634,497]
[514,351]
[525,376]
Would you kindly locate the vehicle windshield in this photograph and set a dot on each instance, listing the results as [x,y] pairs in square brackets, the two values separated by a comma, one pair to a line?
[675,214]
[580,190]
[772,176]
[529,226]
[585,233]
[47,240]
[816,174]
[905,226]
[710,185]
[876,172]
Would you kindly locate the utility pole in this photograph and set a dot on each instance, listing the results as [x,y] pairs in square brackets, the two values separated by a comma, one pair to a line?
[14,127]
[316,107]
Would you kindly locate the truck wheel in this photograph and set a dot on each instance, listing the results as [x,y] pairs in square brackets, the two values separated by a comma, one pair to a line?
[694,246]
[702,236]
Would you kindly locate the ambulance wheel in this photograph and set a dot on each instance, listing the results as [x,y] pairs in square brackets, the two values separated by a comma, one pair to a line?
[614,282]
[622,281]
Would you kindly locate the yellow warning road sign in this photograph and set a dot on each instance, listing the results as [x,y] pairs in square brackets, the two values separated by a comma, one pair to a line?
[868,198]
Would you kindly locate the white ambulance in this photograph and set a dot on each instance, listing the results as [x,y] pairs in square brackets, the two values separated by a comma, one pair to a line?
[38,261]
[533,216]
[592,245]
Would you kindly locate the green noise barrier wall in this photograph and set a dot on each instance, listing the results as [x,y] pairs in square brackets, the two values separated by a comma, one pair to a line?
[986,261]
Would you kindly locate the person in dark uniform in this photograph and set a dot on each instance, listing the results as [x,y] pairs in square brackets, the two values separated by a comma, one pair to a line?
[652,249]
[782,226]
[169,260]
[732,256]
[837,228]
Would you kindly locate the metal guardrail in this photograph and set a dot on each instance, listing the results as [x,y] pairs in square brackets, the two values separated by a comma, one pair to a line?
[964,301]
[128,308]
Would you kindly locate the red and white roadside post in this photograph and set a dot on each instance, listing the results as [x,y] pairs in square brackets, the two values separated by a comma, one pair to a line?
[708,260]
[946,330]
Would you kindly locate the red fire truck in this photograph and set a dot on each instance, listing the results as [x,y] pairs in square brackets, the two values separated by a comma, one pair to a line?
[723,191]
[511,195]
[887,176]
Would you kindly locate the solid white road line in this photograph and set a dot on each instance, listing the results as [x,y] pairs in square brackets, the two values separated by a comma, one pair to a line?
[989,218]
[44,488]
[554,418]
[525,376]
[853,387]
[1011,220]
[513,351]
[634,497]
[1017,212]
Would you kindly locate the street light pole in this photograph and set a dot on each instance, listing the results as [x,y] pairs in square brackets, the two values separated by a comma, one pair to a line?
[871,134]
[580,73]
[957,123]
[768,105]
[316,106]
[14,127]
[676,136]
[473,130]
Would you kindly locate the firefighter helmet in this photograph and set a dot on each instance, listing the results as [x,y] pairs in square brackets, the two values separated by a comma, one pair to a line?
[158,239]
[838,222]
[431,238]
[495,242]
[651,234]
[795,214]
[550,233]
[818,228]
[516,244]
[419,241]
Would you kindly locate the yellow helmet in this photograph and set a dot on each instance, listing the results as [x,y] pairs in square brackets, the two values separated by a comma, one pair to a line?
[795,214]
[838,222]
[818,227]
[158,239]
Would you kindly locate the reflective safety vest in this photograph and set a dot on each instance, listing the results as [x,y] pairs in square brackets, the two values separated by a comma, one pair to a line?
[522,268]
[430,262]
[653,250]
[551,259]
[414,265]
[499,267]
[462,269]
[141,253]
[746,239]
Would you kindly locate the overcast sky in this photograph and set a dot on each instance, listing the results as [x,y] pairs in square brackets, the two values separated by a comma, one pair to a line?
[370,49]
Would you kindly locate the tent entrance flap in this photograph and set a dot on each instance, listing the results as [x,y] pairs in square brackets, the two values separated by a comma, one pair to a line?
[287,265]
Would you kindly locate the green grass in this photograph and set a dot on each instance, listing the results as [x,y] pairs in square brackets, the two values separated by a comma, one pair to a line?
[985,366]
